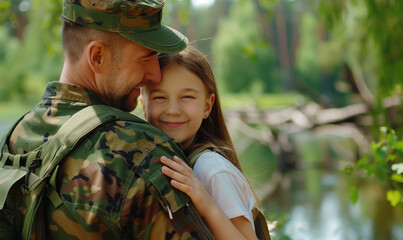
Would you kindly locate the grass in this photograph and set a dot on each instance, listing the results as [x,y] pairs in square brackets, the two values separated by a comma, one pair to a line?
[13,109]
[264,101]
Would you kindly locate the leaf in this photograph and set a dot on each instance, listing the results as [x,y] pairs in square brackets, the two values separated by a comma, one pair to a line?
[399,146]
[398,167]
[349,170]
[374,148]
[394,197]
[397,178]
[383,152]
[392,157]
[363,161]
[353,195]
[391,139]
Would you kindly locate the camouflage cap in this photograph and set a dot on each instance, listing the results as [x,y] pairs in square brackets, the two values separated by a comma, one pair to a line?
[137,20]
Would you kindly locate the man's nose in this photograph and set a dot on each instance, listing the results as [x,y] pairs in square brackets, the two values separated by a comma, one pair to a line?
[153,71]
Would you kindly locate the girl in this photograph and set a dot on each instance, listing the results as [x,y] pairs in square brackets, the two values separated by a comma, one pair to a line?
[185,105]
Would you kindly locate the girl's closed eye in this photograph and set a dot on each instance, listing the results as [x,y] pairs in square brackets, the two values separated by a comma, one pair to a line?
[189,94]
[158,97]
[188,97]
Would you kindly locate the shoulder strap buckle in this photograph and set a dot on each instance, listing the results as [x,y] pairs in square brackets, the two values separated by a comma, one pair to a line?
[36,162]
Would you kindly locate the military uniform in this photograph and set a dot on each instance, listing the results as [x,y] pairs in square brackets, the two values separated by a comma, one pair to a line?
[99,182]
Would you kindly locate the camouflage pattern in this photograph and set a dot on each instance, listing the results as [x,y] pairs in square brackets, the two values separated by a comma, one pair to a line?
[111,185]
[115,16]
[139,21]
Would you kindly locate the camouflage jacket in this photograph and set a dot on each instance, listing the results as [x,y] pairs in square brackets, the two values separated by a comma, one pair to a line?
[99,182]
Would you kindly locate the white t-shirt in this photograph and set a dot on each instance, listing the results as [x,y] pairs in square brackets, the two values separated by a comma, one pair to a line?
[226,184]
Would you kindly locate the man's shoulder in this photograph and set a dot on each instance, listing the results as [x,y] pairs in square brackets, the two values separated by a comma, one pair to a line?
[137,134]
[130,125]
[131,139]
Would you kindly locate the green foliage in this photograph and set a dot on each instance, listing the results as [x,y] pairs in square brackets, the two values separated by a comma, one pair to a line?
[32,54]
[394,197]
[371,22]
[326,57]
[4,9]
[307,61]
[241,57]
[385,163]
[9,60]
[384,24]
[332,10]
[177,10]
[8,14]
[268,5]
[14,109]
[353,194]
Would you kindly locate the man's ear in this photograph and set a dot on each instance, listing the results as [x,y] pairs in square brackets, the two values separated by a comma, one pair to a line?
[209,105]
[97,56]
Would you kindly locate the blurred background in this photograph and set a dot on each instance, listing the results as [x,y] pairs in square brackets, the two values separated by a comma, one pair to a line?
[311,89]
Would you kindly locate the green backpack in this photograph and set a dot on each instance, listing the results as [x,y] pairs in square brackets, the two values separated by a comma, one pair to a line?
[23,185]
[261,228]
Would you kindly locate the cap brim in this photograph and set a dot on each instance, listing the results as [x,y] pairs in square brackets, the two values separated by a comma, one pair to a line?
[165,39]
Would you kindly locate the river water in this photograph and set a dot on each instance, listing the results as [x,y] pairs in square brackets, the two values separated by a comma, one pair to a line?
[314,204]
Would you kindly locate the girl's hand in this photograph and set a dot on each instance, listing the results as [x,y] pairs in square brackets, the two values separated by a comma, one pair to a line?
[184,180]
[221,226]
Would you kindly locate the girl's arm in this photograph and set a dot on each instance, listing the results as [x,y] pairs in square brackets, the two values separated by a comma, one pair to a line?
[220,225]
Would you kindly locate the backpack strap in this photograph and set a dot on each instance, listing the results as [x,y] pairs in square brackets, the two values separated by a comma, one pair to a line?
[71,133]
[192,158]
[51,153]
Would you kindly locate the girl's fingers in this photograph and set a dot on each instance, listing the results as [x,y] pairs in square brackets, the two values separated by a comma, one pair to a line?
[176,164]
[181,162]
[181,187]
[172,164]
[178,160]
[175,175]
[178,181]
[171,173]
[183,179]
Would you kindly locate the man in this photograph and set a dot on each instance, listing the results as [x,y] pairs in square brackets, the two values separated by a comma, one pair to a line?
[110,52]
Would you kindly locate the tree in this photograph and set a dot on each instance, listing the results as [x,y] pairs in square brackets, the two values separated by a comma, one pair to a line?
[307,62]
[241,58]
[33,55]
[372,31]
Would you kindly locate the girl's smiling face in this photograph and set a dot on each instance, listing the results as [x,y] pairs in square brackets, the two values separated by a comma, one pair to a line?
[178,104]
